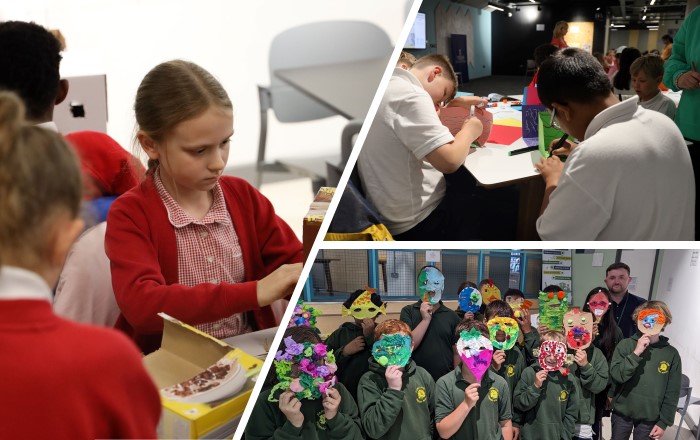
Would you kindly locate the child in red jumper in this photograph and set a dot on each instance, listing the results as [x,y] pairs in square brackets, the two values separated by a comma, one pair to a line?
[205,248]
[62,380]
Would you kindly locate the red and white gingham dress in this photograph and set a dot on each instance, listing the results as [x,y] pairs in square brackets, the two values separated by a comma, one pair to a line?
[208,251]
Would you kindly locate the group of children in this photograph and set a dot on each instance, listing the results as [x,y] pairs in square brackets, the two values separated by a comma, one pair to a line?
[183,239]
[506,379]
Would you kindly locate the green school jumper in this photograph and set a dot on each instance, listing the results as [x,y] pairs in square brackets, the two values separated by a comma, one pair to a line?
[390,414]
[548,413]
[350,367]
[268,422]
[435,352]
[483,421]
[511,370]
[591,380]
[646,387]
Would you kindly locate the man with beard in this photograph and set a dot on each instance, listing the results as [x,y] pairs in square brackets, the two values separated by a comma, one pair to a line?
[617,278]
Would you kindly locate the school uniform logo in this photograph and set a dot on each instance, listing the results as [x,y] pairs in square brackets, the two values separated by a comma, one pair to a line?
[420,395]
[510,370]
[663,367]
[563,396]
[321,422]
[493,394]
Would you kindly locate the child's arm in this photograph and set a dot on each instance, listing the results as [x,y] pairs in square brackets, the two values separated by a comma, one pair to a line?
[449,157]
[341,414]
[505,414]
[571,413]
[449,418]
[594,374]
[671,396]
[506,429]
[625,361]
[339,350]
[528,390]
[379,406]
[419,330]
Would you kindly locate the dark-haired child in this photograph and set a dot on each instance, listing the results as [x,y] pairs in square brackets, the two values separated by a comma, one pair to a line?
[472,401]
[352,342]
[306,401]
[396,396]
[470,304]
[646,375]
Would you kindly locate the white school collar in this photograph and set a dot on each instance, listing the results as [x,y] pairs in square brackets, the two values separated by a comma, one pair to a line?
[17,283]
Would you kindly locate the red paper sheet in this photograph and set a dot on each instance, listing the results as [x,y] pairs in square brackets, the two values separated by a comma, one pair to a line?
[504,135]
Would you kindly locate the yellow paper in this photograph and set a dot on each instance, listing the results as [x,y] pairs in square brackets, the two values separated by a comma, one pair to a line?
[509,122]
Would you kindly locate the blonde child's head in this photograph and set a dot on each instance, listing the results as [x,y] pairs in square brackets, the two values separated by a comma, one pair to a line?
[658,305]
[437,76]
[40,193]
[647,73]
[170,94]
[406,60]
[391,327]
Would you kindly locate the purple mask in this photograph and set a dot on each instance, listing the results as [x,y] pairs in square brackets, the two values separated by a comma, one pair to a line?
[476,352]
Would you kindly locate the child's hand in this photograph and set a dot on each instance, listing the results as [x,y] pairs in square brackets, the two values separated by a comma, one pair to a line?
[656,432]
[331,403]
[542,328]
[642,344]
[524,321]
[368,326]
[426,311]
[355,346]
[467,315]
[564,150]
[278,284]
[516,432]
[550,169]
[499,356]
[688,80]
[474,126]
[581,358]
[596,332]
[394,377]
[540,377]
[291,408]
[471,395]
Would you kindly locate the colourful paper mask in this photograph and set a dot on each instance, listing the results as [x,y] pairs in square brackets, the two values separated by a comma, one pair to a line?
[363,306]
[476,352]
[578,327]
[651,321]
[599,304]
[552,355]
[392,350]
[490,292]
[431,283]
[304,316]
[470,300]
[503,332]
[306,369]
[518,303]
[553,305]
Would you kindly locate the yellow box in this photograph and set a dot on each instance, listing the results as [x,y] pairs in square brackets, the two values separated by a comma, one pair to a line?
[184,353]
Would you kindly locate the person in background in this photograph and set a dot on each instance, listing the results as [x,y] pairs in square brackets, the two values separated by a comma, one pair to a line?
[681,73]
[560,30]
[406,60]
[668,47]
[541,53]
[65,380]
[601,59]
[617,279]
[647,73]
[612,61]
[622,80]
[205,248]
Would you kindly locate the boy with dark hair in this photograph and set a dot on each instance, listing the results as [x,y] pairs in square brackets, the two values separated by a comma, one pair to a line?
[352,341]
[540,54]
[408,149]
[603,190]
[646,377]
[472,401]
[647,74]
[396,397]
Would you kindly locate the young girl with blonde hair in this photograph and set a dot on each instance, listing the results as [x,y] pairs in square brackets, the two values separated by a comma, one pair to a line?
[204,248]
[63,380]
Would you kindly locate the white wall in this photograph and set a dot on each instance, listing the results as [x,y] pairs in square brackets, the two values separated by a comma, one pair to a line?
[126,38]
[679,288]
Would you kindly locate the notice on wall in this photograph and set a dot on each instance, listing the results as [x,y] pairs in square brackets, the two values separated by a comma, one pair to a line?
[556,268]
[432,256]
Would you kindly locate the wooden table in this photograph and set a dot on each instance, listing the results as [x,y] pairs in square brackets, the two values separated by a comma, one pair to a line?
[346,88]
[493,168]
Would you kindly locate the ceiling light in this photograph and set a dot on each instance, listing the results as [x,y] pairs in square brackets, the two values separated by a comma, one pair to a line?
[652,2]
[644,18]
[494,7]
[510,14]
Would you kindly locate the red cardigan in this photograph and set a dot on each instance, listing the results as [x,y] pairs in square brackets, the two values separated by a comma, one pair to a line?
[140,243]
[64,380]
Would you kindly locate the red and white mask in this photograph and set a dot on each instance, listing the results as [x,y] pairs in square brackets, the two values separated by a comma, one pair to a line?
[552,355]
[599,304]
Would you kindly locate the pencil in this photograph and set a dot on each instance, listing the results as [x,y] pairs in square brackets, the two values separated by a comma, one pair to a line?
[559,144]
[523,150]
